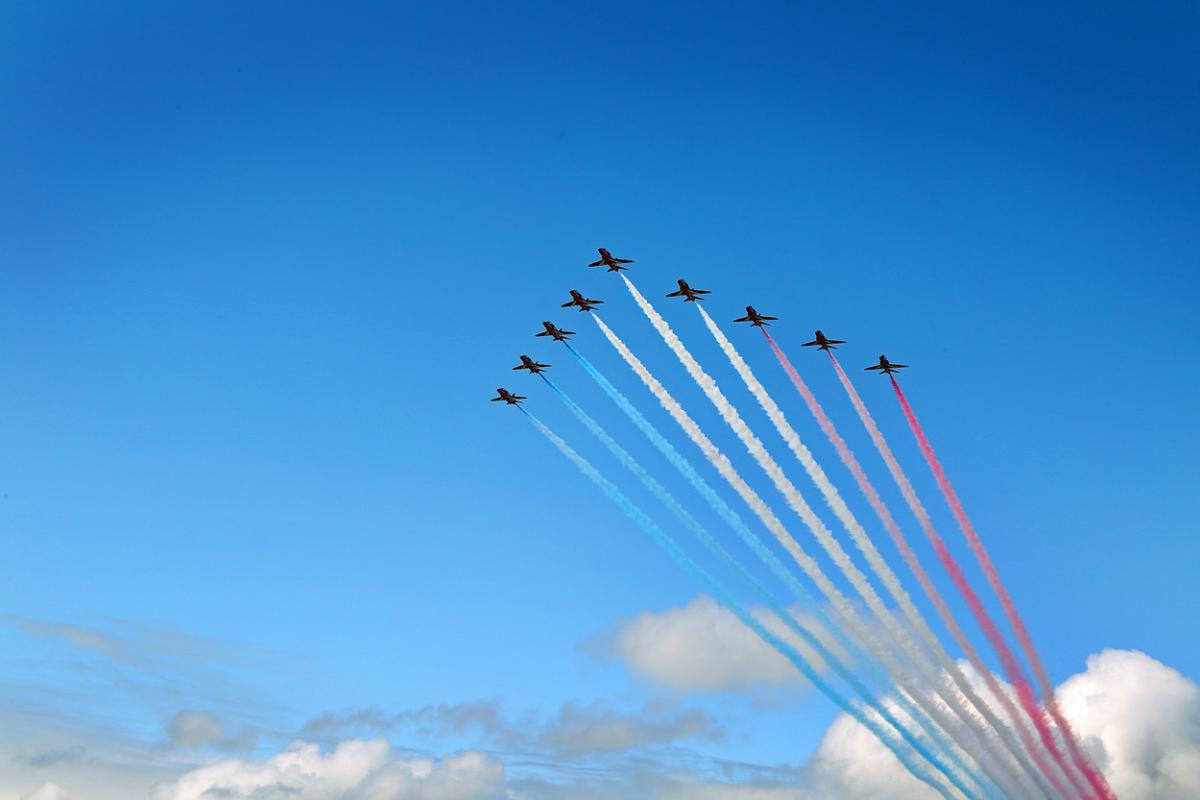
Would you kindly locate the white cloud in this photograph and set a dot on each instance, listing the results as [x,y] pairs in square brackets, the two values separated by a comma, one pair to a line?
[50,791]
[704,647]
[852,764]
[354,770]
[1138,718]
[1141,720]
[468,776]
[692,789]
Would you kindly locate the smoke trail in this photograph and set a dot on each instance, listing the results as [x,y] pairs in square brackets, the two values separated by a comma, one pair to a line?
[955,571]
[1093,776]
[731,517]
[840,604]
[717,590]
[863,543]
[915,619]
[718,504]
[763,511]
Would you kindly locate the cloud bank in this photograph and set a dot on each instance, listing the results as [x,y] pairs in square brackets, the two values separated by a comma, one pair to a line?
[1139,719]
[354,770]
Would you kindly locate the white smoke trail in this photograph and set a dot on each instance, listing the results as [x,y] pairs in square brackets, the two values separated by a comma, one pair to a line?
[988,756]
[860,713]
[962,705]
[842,608]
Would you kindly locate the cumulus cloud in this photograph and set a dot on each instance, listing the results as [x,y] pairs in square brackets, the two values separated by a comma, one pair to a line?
[1139,719]
[50,791]
[713,790]
[370,770]
[354,770]
[852,764]
[703,647]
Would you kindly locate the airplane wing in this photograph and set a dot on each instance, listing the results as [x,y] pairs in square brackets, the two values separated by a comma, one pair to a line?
[877,366]
[762,317]
[742,319]
[835,341]
[568,303]
[623,260]
[497,399]
[701,291]
[543,333]
[597,263]
[899,366]
[813,343]
[676,293]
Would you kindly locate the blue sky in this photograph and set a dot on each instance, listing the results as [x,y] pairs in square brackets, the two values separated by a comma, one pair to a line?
[263,266]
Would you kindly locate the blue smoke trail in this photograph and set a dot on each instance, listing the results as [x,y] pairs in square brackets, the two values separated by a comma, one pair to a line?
[723,596]
[777,567]
[715,547]
[731,517]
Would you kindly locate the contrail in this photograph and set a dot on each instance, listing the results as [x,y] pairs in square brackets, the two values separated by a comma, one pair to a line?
[723,596]
[739,526]
[1039,766]
[955,571]
[863,542]
[1081,762]
[841,605]
[764,513]
[717,503]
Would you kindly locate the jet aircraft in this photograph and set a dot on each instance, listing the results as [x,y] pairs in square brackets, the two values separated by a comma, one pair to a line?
[531,365]
[887,366]
[689,294]
[608,260]
[754,318]
[508,397]
[584,303]
[558,333]
[823,343]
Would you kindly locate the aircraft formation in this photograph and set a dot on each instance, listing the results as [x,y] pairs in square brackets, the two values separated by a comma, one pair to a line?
[966,738]
[689,295]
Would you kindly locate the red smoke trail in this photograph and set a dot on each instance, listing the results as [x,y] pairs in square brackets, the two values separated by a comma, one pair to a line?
[955,571]
[1097,781]
[910,558]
